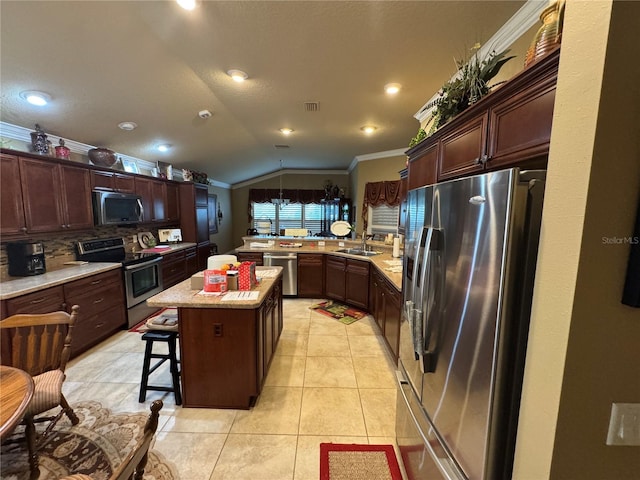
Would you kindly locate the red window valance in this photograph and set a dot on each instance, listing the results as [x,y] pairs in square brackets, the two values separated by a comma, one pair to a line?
[378,193]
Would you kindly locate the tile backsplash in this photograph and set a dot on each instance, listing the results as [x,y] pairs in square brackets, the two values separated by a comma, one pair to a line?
[61,247]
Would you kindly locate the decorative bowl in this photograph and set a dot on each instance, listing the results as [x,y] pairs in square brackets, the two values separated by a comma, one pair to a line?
[102,157]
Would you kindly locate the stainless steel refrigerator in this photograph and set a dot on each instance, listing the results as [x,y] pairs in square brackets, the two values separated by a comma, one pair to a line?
[469,263]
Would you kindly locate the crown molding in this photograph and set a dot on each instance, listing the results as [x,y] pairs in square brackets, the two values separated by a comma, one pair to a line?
[398,152]
[512,30]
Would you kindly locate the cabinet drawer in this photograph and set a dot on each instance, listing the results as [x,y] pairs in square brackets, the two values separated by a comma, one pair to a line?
[97,300]
[94,282]
[174,269]
[250,257]
[309,259]
[91,330]
[44,301]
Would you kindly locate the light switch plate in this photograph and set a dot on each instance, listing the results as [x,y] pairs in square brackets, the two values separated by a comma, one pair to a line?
[341,244]
[321,243]
[624,425]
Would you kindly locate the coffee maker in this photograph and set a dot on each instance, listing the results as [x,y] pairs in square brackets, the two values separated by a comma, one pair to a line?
[25,259]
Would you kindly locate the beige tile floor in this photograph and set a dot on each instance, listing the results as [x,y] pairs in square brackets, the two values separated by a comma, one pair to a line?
[328,382]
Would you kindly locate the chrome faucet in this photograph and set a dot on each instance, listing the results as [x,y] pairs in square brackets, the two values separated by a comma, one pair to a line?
[364,241]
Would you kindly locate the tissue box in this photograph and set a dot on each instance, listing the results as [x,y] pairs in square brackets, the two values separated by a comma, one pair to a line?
[247,276]
[197,281]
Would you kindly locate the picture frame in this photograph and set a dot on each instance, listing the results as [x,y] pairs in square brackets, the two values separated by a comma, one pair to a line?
[212,210]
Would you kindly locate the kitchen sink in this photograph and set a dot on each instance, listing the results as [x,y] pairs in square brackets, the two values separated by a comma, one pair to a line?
[358,251]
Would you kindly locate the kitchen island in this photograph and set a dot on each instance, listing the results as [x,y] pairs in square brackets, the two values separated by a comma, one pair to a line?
[226,346]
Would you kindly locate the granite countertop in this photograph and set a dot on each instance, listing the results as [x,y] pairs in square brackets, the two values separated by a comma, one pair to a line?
[181,295]
[388,265]
[23,285]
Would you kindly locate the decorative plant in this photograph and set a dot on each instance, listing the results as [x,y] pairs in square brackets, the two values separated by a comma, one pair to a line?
[470,85]
[421,135]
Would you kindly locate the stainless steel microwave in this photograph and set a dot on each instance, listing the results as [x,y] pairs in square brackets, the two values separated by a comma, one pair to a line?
[111,208]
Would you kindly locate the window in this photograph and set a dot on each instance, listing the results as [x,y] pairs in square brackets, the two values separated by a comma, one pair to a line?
[292,215]
[383,219]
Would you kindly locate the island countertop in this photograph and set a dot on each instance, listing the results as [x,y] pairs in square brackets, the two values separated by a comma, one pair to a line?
[181,295]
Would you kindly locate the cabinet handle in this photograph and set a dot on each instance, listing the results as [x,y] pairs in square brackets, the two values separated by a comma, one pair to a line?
[95,282]
[100,300]
[99,325]
[40,300]
[23,229]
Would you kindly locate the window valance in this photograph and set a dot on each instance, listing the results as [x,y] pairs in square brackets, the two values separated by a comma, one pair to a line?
[388,193]
[264,195]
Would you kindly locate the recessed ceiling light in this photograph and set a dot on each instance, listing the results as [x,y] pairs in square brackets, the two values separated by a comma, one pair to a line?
[392,88]
[128,126]
[286,131]
[165,147]
[368,129]
[34,97]
[237,75]
[187,4]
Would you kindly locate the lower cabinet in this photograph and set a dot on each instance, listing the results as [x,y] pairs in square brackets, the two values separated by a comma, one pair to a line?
[174,268]
[310,275]
[335,268]
[102,312]
[357,283]
[203,254]
[385,304]
[191,261]
[101,301]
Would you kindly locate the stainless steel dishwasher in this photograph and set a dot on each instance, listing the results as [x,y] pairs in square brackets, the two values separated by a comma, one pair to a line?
[289,264]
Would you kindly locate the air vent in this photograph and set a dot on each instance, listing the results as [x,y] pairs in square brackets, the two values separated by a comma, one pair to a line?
[311,106]
[281,146]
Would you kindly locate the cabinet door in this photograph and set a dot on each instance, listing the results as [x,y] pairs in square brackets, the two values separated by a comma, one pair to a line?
[520,127]
[202,224]
[376,299]
[173,202]
[124,183]
[357,283]
[423,167]
[76,196]
[12,213]
[392,312]
[159,196]
[191,260]
[143,188]
[42,195]
[204,251]
[102,180]
[45,301]
[174,269]
[201,195]
[335,268]
[462,152]
[250,257]
[310,275]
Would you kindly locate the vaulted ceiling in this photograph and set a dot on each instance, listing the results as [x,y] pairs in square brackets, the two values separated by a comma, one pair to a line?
[155,64]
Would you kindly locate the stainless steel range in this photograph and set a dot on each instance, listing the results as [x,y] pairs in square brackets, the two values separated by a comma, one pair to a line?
[142,273]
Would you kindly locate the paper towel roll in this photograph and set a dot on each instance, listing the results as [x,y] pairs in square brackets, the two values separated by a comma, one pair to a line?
[396,247]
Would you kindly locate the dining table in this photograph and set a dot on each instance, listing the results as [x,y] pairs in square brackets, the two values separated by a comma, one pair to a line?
[16,390]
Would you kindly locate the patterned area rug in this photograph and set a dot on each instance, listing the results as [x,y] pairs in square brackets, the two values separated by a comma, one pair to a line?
[358,462]
[96,446]
[342,313]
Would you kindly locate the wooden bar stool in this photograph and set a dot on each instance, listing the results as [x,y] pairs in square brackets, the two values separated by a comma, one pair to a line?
[168,337]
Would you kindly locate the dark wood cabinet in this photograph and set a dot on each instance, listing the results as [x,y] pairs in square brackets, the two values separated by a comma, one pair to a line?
[310,275]
[194,218]
[511,127]
[143,188]
[102,312]
[191,261]
[112,181]
[385,306]
[250,257]
[159,200]
[226,352]
[335,282]
[55,197]
[159,196]
[174,268]
[12,220]
[173,202]
[357,283]
[423,167]
[76,198]
[461,151]
[203,254]
[43,301]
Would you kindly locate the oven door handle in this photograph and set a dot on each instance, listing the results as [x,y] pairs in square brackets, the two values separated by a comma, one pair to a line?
[138,266]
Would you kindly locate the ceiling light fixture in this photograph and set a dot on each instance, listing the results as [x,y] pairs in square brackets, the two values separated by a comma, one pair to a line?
[392,88]
[128,126]
[368,129]
[286,131]
[237,75]
[187,4]
[34,97]
[165,147]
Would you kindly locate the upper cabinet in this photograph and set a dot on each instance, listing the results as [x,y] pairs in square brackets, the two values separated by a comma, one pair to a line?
[47,197]
[510,127]
[160,199]
[112,181]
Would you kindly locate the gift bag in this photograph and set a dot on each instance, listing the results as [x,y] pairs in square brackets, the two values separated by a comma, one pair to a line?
[247,276]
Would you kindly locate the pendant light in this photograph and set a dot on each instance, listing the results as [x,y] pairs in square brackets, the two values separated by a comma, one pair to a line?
[280,201]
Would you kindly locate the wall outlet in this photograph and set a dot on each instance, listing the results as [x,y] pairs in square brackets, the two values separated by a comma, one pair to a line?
[321,243]
[341,244]
[624,424]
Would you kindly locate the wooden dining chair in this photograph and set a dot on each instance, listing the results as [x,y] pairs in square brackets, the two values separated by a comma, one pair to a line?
[132,467]
[40,344]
